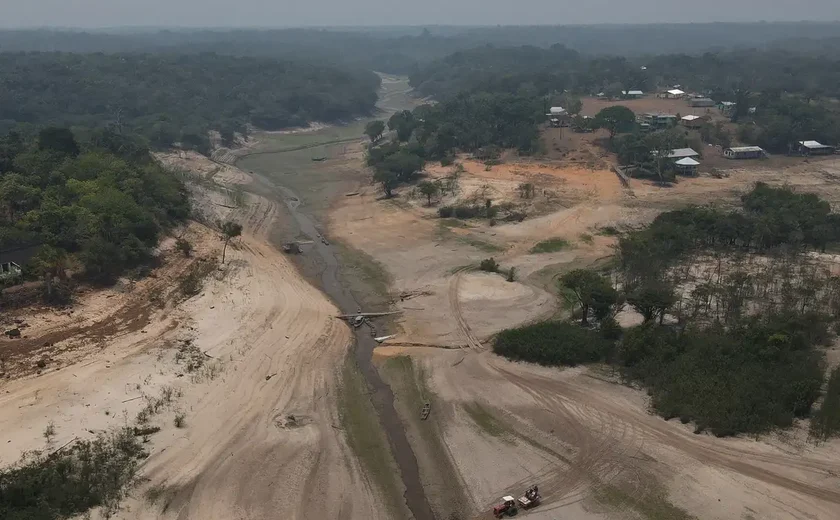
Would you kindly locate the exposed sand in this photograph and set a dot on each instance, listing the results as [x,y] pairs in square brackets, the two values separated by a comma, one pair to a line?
[273,350]
[574,432]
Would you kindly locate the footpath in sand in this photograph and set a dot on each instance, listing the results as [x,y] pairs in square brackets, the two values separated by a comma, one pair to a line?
[262,435]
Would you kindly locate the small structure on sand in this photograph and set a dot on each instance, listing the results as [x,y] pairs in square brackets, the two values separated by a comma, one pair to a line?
[745,152]
[692,121]
[814,148]
[632,94]
[702,102]
[687,166]
[681,153]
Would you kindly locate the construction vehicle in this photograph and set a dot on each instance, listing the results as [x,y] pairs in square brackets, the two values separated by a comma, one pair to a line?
[507,507]
[531,498]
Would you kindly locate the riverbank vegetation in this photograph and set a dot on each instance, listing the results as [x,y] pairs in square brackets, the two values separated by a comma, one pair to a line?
[735,305]
[73,479]
[100,204]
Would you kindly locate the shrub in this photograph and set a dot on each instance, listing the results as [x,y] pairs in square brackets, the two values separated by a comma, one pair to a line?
[69,482]
[552,343]
[184,246]
[489,265]
[550,245]
[464,211]
[446,211]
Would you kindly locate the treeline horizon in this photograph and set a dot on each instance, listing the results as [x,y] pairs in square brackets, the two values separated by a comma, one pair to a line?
[178,98]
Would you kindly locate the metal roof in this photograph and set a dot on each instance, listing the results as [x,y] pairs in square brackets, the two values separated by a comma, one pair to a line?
[632,92]
[682,152]
[676,92]
[18,255]
[813,144]
[557,110]
[688,161]
[690,117]
[727,103]
[507,498]
[747,149]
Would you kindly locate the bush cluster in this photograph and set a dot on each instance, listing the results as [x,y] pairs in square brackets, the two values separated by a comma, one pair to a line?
[71,481]
[552,343]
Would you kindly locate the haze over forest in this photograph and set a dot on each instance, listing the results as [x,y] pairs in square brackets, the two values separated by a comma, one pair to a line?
[265,13]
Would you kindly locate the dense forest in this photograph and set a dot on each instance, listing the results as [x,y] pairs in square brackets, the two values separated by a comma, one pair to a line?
[541,71]
[170,99]
[734,310]
[100,205]
[399,50]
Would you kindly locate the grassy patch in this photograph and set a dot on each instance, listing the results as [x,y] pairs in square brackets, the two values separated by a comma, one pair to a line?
[366,437]
[481,245]
[586,238]
[609,231]
[367,268]
[486,421]
[651,505]
[444,233]
[453,223]
[551,245]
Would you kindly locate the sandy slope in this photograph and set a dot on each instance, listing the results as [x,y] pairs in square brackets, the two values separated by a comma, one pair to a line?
[262,435]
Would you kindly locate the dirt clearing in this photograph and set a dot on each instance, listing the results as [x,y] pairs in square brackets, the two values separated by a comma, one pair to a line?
[589,442]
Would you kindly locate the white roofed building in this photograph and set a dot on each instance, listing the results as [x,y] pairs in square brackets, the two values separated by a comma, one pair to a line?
[692,121]
[687,166]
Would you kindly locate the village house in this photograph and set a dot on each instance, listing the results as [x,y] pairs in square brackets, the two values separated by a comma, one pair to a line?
[727,108]
[558,116]
[701,102]
[632,94]
[692,121]
[12,261]
[745,152]
[814,148]
[687,166]
[657,121]
[681,153]
[673,93]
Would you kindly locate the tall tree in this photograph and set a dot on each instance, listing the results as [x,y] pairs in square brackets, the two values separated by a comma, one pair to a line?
[230,230]
[615,118]
[591,291]
[429,189]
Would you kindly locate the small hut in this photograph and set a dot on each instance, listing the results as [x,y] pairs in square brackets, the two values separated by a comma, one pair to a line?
[687,166]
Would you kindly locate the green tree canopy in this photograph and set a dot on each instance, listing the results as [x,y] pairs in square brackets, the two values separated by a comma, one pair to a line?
[591,291]
[615,119]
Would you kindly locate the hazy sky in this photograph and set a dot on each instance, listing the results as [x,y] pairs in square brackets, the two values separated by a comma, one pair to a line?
[283,13]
